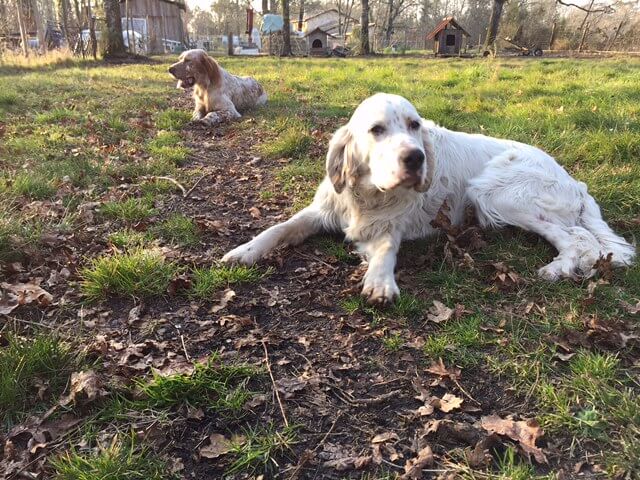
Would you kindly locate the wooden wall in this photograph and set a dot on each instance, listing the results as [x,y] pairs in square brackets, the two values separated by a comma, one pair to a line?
[164,20]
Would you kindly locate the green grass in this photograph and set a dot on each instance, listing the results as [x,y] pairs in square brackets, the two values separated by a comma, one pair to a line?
[167,147]
[214,386]
[207,280]
[128,239]
[257,453]
[459,341]
[584,112]
[136,273]
[178,230]
[129,210]
[171,119]
[26,363]
[123,459]
[293,142]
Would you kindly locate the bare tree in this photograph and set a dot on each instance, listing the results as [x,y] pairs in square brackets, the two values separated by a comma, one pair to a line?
[286,30]
[24,38]
[494,25]
[115,43]
[365,49]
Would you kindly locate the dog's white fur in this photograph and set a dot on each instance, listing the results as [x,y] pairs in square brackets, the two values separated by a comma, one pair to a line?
[377,202]
[218,95]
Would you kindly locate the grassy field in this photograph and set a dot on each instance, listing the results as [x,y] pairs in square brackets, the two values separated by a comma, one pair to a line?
[127,352]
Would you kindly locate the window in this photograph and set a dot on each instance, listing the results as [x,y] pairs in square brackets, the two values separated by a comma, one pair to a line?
[451,40]
[316,43]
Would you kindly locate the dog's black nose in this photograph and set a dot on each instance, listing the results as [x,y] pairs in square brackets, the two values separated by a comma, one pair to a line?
[172,70]
[414,159]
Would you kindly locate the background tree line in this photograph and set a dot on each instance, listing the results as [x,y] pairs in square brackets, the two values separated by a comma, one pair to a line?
[557,24]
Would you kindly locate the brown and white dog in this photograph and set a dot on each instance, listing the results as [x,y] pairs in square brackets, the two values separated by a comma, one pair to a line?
[219,95]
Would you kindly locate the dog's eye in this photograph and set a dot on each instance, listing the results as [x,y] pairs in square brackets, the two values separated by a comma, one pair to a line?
[377,130]
[414,125]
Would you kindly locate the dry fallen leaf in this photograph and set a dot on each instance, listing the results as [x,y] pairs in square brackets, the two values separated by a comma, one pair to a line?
[218,445]
[438,368]
[525,432]
[85,388]
[447,403]
[348,463]
[227,296]
[413,467]
[439,312]
[385,437]
[15,295]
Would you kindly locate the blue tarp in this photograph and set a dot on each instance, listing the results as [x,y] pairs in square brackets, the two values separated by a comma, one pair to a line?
[272,23]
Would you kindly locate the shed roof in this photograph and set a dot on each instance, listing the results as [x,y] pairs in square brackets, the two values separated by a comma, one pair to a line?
[444,24]
[318,29]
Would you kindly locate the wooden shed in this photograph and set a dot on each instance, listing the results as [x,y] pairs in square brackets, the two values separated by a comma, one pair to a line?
[318,42]
[448,37]
[160,22]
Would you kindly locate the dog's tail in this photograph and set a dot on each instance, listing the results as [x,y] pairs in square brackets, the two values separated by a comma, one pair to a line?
[622,251]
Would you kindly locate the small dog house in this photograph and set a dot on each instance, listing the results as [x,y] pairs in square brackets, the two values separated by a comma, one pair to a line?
[448,37]
[318,42]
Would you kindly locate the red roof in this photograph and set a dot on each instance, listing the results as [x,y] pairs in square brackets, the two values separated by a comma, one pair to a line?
[444,24]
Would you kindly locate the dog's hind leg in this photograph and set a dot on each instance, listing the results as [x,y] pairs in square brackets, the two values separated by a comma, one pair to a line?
[622,251]
[530,191]
[302,225]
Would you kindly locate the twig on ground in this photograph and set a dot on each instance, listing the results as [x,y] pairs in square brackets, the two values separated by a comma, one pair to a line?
[275,388]
[378,399]
[168,179]
[27,322]
[185,195]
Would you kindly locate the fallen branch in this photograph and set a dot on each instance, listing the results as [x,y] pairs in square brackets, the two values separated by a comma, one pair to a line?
[185,195]
[168,179]
[275,388]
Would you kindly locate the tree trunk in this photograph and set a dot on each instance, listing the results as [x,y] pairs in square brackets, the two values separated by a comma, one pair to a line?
[389,30]
[365,49]
[613,39]
[40,26]
[584,36]
[265,6]
[230,44]
[552,37]
[286,30]
[494,25]
[301,15]
[63,13]
[115,44]
[24,38]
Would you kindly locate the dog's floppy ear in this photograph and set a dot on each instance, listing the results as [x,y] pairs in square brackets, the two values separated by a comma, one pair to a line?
[211,68]
[430,158]
[341,162]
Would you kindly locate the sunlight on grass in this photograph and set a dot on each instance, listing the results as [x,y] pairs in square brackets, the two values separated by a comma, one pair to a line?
[130,210]
[207,280]
[26,363]
[215,386]
[178,230]
[123,459]
[136,273]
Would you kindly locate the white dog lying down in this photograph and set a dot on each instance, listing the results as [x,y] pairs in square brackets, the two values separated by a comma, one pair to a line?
[219,96]
[389,171]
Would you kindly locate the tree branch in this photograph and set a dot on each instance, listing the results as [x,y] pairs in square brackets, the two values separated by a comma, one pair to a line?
[604,9]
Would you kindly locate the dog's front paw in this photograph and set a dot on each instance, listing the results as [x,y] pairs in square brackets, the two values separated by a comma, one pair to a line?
[246,254]
[380,289]
[197,116]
